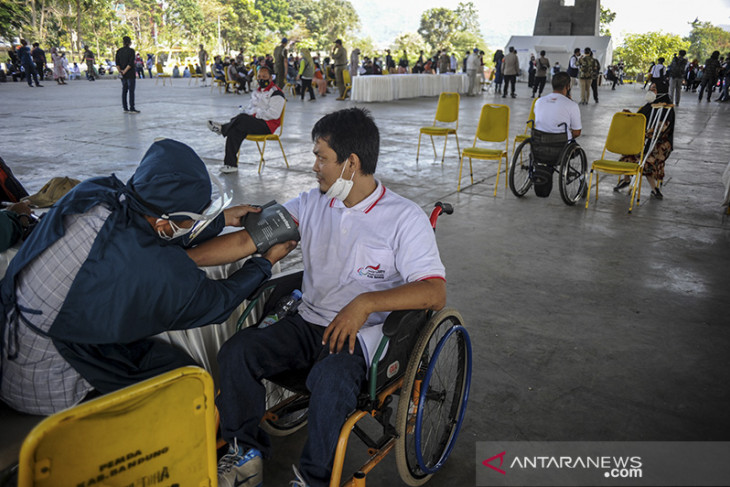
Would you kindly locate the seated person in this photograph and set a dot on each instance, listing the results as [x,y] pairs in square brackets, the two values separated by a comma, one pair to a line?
[232,71]
[557,114]
[176,71]
[654,165]
[218,69]
[75,72]
[366,251]
[186,73]
[105,270]
[319,80]
[261,116]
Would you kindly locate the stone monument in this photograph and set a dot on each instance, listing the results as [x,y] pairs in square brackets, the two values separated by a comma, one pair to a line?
[567,18]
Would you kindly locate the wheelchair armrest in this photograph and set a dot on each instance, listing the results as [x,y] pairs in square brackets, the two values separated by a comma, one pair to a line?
[277,286]
[396,319]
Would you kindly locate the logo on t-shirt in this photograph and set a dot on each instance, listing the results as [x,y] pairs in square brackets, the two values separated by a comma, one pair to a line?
[372,272]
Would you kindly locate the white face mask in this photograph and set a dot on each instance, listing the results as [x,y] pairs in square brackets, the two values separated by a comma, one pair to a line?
[342,187]
[650,97]
[176,230]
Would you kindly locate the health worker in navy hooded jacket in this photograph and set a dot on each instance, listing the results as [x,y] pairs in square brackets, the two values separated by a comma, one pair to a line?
[105,270]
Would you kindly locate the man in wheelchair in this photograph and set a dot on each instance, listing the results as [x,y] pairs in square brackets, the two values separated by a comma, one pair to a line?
[366,251]
[557,121]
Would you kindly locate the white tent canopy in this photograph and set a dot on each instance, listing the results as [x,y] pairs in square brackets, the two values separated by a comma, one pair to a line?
[560,48]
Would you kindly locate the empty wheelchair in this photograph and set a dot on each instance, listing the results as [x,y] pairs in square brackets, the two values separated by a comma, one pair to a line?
[541,154]
[421,372]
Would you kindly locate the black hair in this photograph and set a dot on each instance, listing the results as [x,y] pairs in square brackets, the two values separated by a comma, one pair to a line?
[715,54]
[350,131]
[542,53]
[561,80]
[661,60]
[682,52]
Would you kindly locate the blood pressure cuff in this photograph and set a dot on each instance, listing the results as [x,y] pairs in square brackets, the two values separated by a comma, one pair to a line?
[271,226]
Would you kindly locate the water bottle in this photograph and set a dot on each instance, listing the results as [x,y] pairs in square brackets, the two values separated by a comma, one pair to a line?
[240,108]
[285,306]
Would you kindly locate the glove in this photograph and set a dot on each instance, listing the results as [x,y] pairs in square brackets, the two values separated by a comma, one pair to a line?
[271,226]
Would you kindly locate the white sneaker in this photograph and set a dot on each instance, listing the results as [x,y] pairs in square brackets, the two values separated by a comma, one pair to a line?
[240,469]
[228,169]
[215,127]
[299,480]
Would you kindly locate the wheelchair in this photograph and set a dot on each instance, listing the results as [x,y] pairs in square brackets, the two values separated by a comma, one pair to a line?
[541,154]
[421,372]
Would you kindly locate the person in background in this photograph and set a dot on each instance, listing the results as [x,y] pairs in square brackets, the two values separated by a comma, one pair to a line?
[39,59]
[306,73]
[655,161]
[677,70]
[125,64]
[339,56]
[498,75]
[90,61]
[511,68]
[261,116]
[151,64]
[542,64]
[710,74]
[138,66]
[280,62]
[59,72]
[26,61]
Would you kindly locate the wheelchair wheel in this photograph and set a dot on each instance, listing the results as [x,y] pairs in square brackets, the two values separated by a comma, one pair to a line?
[286,410]
[573,172]
[433,397]
[520,172]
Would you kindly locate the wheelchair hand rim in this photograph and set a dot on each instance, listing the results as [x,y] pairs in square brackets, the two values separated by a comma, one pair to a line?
[462,411]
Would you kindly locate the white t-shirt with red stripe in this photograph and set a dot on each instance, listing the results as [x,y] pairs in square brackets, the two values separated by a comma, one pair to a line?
[381,243]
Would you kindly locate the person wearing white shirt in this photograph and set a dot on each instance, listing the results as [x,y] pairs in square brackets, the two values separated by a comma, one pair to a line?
[557,120]
[366,251]
[473,64]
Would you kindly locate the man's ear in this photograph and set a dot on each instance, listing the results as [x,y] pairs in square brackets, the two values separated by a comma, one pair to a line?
[353,162]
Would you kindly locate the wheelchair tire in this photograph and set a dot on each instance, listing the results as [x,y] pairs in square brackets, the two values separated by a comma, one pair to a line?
[520,172]
[291,417]
[433,397]
[573,174]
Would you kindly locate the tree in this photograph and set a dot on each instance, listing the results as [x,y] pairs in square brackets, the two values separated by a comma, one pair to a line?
[705,38]
[412,43]
[466,41]
[468,17]
[438,26]
[12,18]
[638,51]
[326,20]
[276,15]
[607,17]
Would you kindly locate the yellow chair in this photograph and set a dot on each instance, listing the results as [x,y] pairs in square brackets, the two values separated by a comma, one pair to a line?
[626,135]
[158,432]
[519,138]
[275,136]
[193,75]
[161,74]
[348,82]
[447,111]
[493,128]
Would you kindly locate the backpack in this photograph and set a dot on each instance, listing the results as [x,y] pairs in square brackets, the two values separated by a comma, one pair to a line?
[676,69]
[10,188]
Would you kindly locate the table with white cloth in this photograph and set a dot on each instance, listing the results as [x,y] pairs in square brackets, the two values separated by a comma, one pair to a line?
[397,86]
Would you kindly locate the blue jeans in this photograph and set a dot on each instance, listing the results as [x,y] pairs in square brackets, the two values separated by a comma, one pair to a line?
[334,381]
[128,87]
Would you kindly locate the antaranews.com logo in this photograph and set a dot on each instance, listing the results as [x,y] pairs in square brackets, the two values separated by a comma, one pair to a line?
[611,466]
[602,463]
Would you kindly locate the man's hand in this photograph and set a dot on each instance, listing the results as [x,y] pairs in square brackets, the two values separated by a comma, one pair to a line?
[234,215]
[20,208]
[279,251]
[343,329]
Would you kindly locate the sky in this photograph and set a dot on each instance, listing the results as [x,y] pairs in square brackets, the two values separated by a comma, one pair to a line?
[383,20]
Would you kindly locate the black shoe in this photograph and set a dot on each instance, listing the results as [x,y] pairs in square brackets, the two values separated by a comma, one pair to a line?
[133,111]
[41,86]
[622,184]
[504,96]
[657,194]
[513,95]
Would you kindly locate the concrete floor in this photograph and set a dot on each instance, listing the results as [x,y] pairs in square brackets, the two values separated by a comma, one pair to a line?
[586,324]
